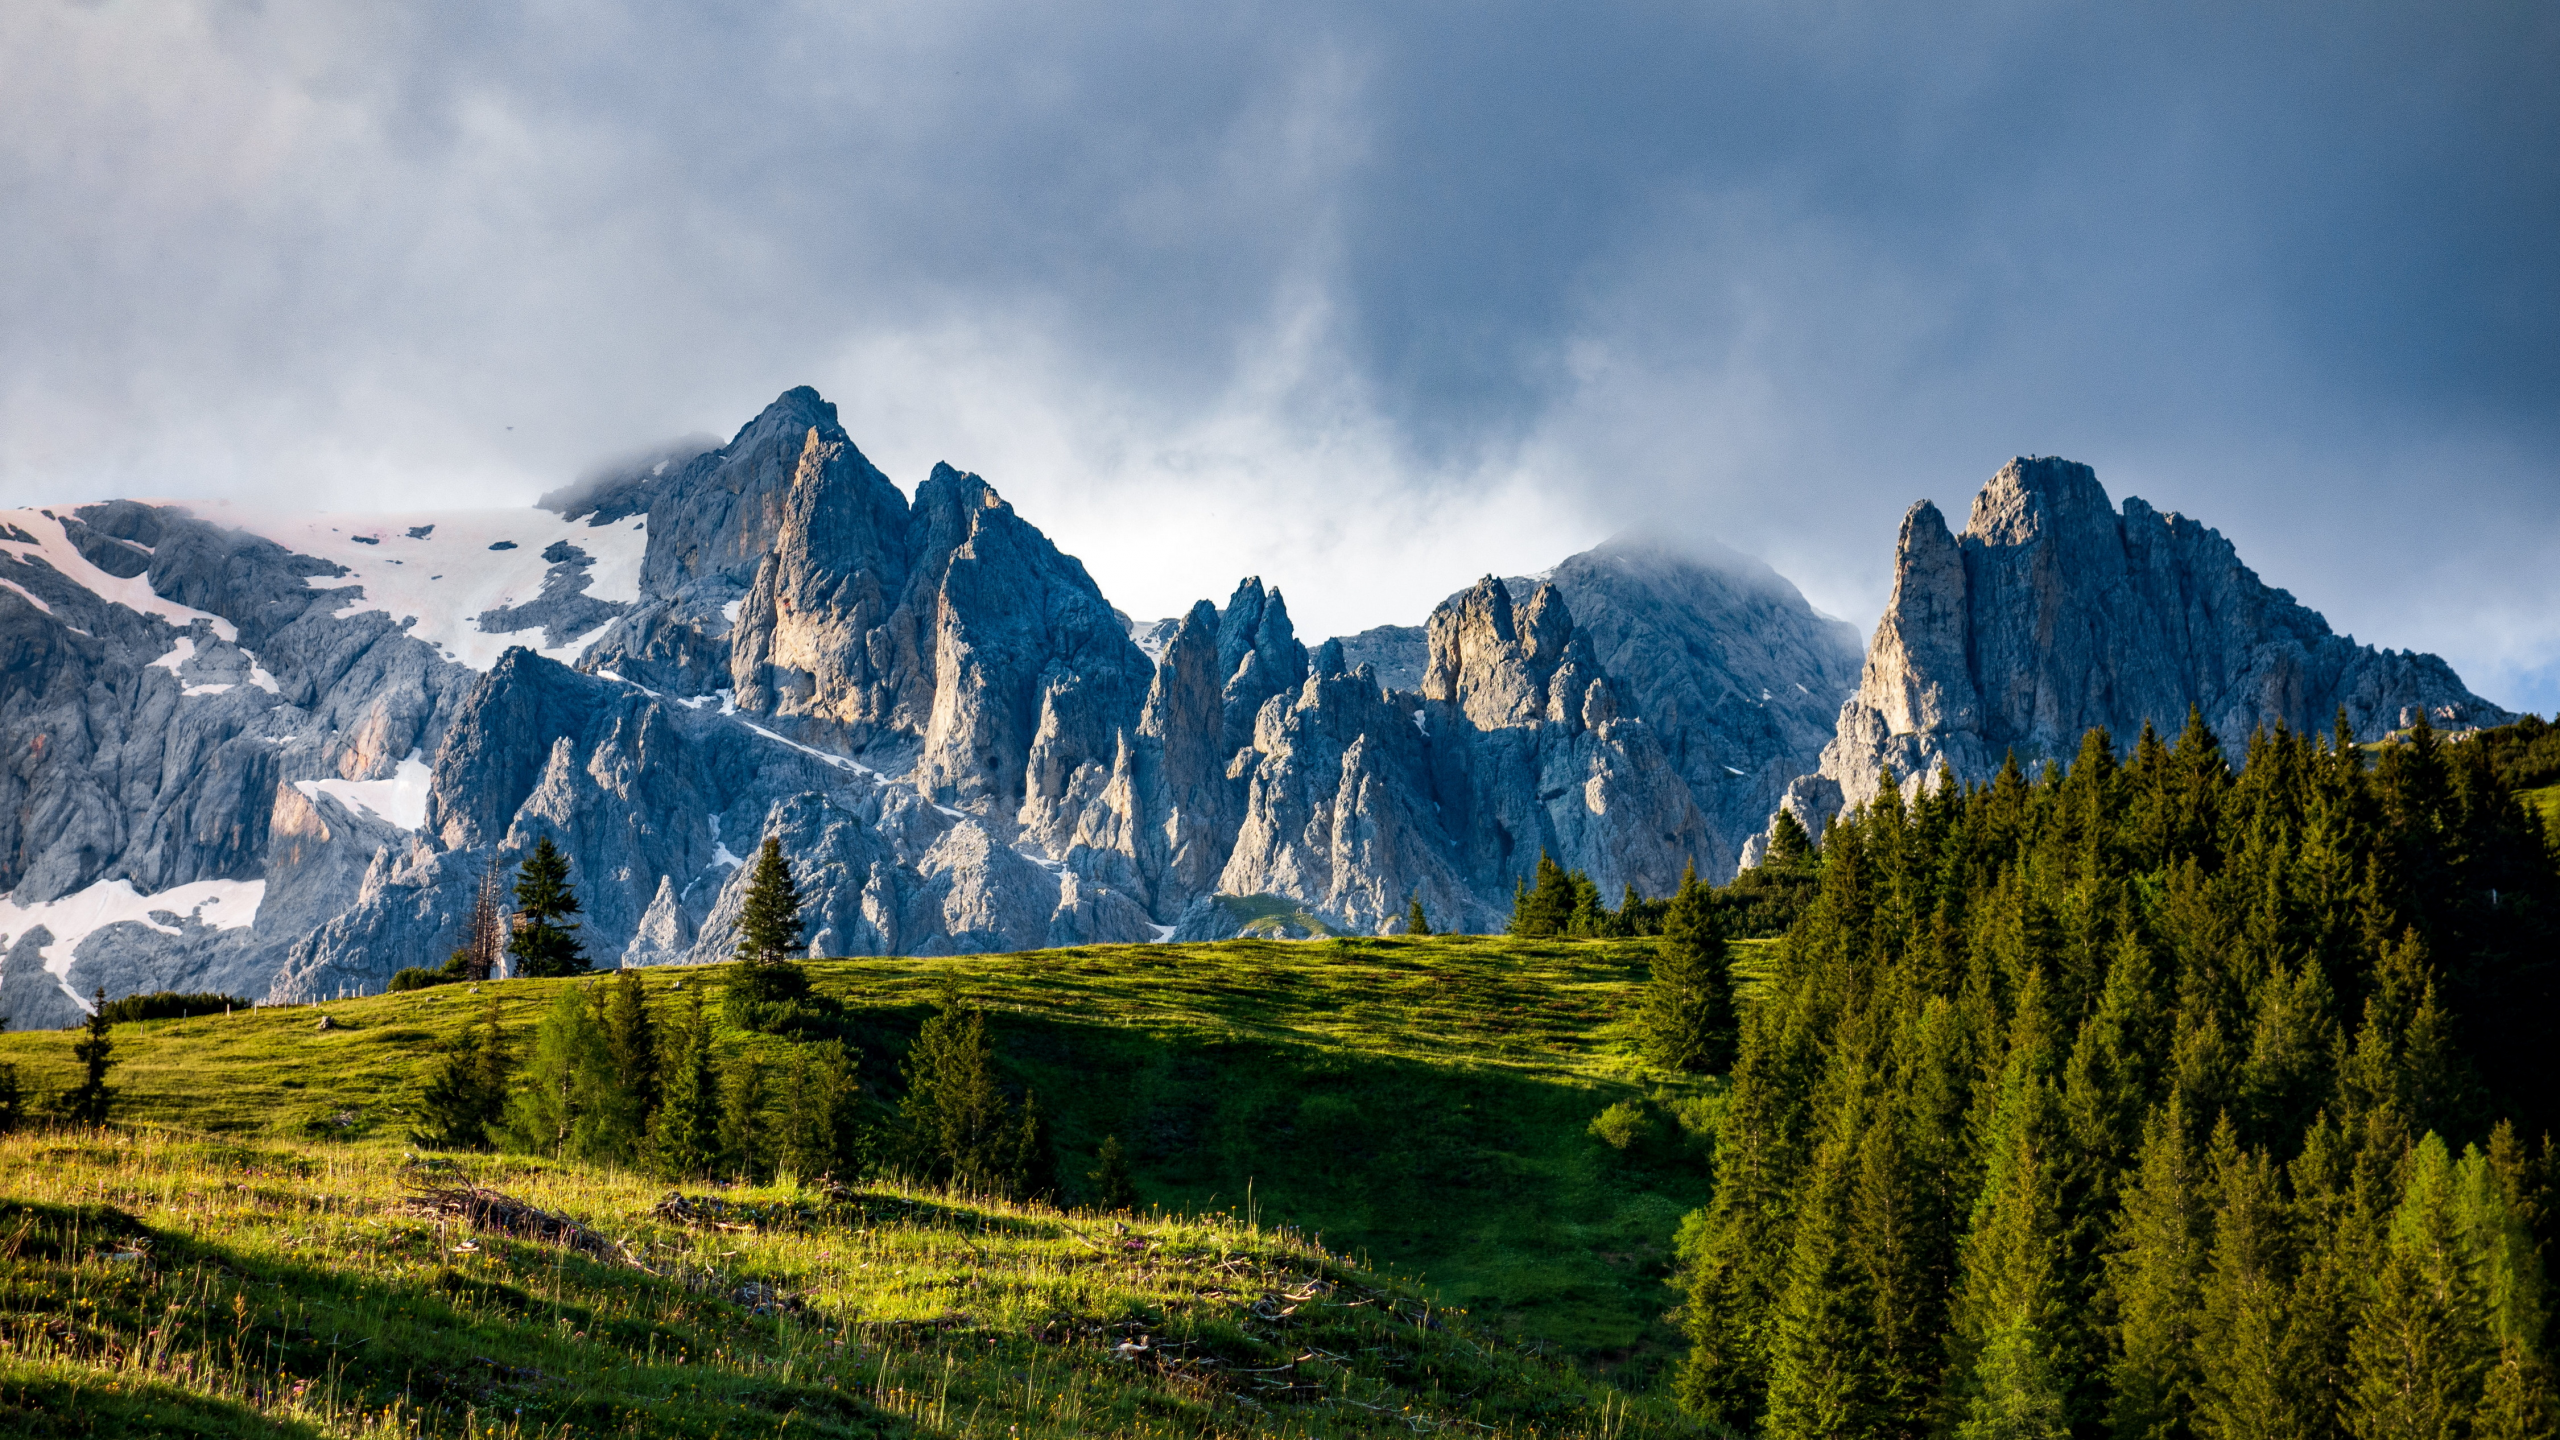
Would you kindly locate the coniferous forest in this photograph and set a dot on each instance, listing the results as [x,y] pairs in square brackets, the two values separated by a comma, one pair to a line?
[2148,1098]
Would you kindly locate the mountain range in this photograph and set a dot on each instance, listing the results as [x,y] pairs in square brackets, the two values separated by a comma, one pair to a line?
[273,755]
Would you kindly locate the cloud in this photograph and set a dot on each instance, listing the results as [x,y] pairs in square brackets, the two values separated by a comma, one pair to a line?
[1367,301]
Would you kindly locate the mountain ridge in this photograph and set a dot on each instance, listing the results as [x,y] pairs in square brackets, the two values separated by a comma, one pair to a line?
[331,726]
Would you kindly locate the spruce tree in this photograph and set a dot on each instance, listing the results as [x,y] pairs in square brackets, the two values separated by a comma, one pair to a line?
[2155,1270]
[769,931]
[746,1138]
[1033,1171]
[633,1039]
[1114,1188]
[569,1104]
[1545,909]
[687,1134]
[1823,1377]
[87,1103]
[466,1088]
[1416,922]
[2251,1370]
[1790,848]
[2017,1334]
[2423,1348]
[1687,1015]
[545,942]
[821,1127]
[960,1131]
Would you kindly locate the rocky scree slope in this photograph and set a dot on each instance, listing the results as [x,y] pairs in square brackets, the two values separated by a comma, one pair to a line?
[2054,612]
[273,755]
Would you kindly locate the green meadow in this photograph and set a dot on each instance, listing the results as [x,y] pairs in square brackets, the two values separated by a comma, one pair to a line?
[1408,1118]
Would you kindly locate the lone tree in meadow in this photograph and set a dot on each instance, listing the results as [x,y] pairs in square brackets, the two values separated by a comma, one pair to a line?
[87,1102]
[1415,922]
[1688,1018]
[769,933]
[546,939]
[769,927]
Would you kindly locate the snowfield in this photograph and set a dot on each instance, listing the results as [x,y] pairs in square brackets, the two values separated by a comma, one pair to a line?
[445,568]
[221,904]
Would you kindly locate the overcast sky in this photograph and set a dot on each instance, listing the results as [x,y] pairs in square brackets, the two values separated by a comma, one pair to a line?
[1367,299]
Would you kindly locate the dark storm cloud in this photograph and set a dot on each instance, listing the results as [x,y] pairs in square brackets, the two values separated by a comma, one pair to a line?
[1365,298]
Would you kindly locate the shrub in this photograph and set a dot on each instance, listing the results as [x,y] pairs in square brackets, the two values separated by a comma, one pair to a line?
[1623,1126]
[166,1005]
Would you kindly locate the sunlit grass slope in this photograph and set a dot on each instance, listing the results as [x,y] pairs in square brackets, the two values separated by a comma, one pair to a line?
[1420,1103]
[152,1284]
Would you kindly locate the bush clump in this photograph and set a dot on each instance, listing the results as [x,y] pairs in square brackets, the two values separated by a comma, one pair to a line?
[167,1005]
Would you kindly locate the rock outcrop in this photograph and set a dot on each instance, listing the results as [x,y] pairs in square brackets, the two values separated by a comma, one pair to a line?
[2054,613]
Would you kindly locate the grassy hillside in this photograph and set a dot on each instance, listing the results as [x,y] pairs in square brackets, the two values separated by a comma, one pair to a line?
[2544,802]
[1419,1104]
[157,1285]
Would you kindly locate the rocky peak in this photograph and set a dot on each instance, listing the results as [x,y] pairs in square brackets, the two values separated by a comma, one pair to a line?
[1915,674]
[719,513]
[2054,614]
[821,636]
[1497,660]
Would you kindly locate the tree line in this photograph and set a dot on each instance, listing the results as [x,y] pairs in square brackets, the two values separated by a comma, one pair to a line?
[2149,1098]
[605,1080]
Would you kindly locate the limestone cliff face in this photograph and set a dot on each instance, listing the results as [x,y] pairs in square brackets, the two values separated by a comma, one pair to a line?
[1531,751]
[2054,613]
[713,521]
[1738,678]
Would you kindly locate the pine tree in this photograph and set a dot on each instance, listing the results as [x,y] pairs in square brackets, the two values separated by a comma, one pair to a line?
[746,1139]
[1114,1188]
[466,1089]
[1688,1016]
[2155,1271]
[2423,1347]
[87,1103]
[1790,848]
[1416,922]
[821,1127]
[687,1134]
[1545,909]
[545,943]
[568,1106]
[960,1129]
[632,1037]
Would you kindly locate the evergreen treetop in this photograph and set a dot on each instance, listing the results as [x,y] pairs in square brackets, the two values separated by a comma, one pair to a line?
[545,942]
[769,926]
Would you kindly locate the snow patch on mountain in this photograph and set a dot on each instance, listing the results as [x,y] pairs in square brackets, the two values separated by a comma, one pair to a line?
[401,799]
[73,918]
[445,569]
[51,544]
